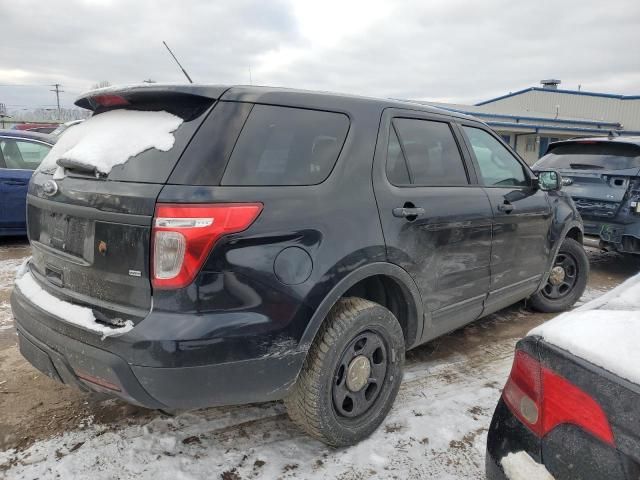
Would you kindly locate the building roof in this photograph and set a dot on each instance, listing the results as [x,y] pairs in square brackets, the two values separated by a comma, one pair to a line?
[568,92]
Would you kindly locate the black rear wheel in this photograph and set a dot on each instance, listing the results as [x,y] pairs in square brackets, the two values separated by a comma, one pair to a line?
[351,375]
[567,279]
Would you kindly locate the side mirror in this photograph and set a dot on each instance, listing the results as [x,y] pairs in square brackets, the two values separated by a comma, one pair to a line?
[549,180]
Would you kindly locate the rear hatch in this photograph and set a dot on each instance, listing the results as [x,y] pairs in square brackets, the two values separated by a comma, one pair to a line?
[91,204]
[600,175]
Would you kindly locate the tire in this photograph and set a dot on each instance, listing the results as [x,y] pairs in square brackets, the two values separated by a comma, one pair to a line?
[573,256]
[319,401]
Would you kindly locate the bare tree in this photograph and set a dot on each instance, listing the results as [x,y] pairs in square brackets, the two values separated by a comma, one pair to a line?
[101,84]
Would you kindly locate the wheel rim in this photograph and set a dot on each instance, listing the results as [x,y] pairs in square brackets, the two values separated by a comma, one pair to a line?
[360,375]
[563,277]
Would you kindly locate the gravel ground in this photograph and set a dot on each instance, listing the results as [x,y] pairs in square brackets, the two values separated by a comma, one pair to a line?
[437,428]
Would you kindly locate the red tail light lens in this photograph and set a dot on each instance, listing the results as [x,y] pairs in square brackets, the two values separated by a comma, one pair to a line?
[541,399]
[109,100]
[183,235]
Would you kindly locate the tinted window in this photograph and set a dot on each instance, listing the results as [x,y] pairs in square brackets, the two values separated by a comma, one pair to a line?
[152,165]
[498,167]
[431,152]
[22,155]
[286,146]
[600,155]
[396,165]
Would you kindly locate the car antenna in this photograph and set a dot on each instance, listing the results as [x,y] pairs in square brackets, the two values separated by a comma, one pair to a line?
[174,57]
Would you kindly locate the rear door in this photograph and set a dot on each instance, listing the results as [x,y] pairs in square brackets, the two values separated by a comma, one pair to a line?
[521,218]
[436,220]
[18,160]
[89,230]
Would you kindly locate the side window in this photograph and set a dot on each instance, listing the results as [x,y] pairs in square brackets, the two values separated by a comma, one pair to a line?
[286,146]
[498,167]
[431,151]
[397,172]
[21,154]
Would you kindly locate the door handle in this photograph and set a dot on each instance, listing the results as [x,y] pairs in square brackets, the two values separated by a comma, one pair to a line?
[506,207]
[406,212]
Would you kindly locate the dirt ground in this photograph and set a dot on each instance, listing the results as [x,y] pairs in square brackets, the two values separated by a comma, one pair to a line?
[34,408]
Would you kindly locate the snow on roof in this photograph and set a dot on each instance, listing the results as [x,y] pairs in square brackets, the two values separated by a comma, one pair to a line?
[605,331]
[112,138]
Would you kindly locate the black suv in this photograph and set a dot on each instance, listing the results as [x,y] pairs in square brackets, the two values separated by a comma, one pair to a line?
[286,245]
[602,174]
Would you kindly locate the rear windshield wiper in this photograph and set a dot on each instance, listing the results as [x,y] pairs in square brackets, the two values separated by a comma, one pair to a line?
[76,166]
[584,166]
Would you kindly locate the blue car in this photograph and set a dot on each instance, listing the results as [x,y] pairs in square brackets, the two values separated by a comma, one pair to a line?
[20,154]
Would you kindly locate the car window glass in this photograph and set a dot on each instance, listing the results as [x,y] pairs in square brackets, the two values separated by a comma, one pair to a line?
[397,172]
[23,155]
[286,146]
[431,151]
[498,167]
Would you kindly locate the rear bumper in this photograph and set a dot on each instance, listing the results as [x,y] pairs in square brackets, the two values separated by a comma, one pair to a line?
[621,237]
[507,435]
[80,359]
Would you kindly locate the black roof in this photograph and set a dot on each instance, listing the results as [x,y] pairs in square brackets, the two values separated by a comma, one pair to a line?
[29,135]
[259,94]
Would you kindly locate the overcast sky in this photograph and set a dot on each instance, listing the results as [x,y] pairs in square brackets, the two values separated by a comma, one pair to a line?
[448,50]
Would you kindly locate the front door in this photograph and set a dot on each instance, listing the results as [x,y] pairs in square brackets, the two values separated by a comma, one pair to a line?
[522,218]
[436,221]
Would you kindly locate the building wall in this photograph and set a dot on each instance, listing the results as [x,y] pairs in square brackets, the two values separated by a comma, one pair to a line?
[570,105]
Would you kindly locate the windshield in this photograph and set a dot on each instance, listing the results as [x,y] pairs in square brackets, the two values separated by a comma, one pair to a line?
[591,155]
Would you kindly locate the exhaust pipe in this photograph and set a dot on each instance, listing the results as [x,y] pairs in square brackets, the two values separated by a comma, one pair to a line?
[593,242]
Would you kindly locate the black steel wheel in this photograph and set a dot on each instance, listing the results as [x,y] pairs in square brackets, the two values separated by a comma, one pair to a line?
[351,375]
[360,374]
[566,281]
[563,277]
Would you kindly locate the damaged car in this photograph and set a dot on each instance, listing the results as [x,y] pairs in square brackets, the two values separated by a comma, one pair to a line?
[198,245]
[602,175]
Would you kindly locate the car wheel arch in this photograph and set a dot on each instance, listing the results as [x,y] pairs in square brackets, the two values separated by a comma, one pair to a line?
[572,229]
[403,288]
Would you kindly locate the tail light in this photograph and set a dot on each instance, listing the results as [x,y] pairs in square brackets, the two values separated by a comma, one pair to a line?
[541,399]
[183,235]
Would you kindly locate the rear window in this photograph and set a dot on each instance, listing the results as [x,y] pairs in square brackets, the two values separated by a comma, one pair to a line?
[151,165]
[286,146]
[597,155]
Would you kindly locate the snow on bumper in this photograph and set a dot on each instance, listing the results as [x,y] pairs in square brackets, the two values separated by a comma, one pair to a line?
[520,466]
[82,317]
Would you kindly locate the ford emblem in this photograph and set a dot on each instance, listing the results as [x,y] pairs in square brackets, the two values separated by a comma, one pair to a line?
[50,188]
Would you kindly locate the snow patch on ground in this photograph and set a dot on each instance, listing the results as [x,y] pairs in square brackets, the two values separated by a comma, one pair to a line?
[604,331]
[520,466]
[436,429]
[111,138]
[80,316]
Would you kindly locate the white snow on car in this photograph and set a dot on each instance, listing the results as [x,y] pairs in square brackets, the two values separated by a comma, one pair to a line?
[112,138]
[605,331]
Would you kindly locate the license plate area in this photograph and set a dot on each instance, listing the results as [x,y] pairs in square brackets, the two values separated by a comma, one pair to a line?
[68,234]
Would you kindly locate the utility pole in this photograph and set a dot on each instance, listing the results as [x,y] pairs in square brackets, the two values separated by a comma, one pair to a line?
[57,89]
[3,113]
